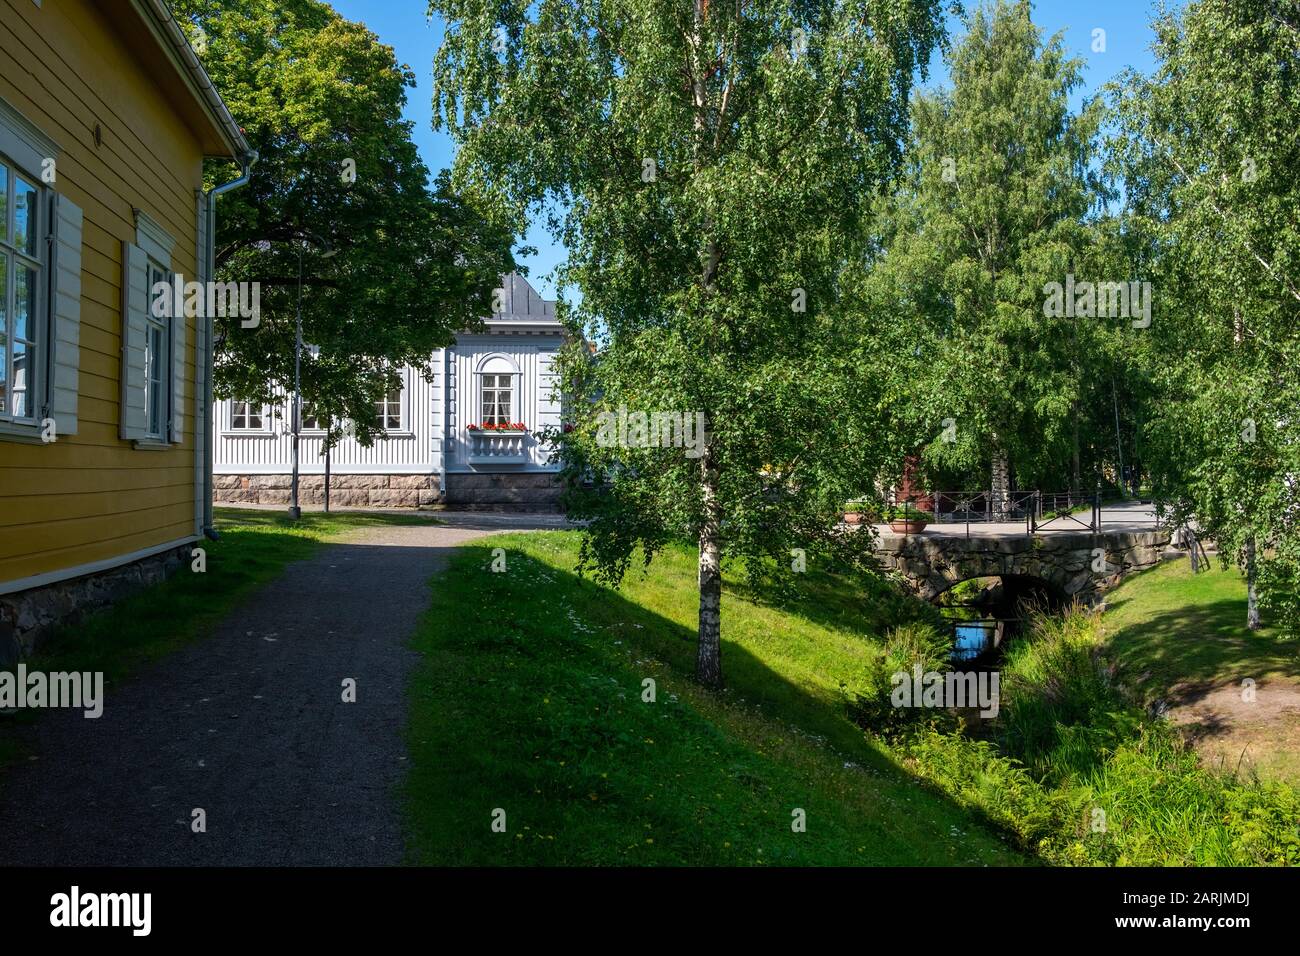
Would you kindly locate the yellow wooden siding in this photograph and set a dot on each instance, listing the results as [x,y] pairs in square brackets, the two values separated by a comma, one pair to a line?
[92,496]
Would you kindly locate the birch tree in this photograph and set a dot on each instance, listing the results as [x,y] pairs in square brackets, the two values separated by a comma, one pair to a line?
[1209,148]
[709,167]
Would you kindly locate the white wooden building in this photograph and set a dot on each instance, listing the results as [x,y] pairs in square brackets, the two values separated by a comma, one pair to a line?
[434,448]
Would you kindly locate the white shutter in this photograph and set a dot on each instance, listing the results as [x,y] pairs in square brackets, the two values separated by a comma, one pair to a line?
[135,305]
[180,359]
[65,314]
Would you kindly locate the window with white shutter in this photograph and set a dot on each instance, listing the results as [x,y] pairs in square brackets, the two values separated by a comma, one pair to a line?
[40,288]
[153,340]
[22,274]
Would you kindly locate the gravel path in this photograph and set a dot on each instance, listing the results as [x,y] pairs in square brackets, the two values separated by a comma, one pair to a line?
[249,725]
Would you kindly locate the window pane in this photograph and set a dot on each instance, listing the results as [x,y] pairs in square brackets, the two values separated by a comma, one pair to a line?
[4,203]
[245,415]
[4,333]
[25,287]
[18,394]
[26,216]
[154,362]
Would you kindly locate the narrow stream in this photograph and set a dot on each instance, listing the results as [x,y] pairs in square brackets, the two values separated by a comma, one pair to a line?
[985,614]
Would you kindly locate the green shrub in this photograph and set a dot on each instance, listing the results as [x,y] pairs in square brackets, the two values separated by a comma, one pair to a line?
[1061,712]
[904,648]
[976,776]
[909,513]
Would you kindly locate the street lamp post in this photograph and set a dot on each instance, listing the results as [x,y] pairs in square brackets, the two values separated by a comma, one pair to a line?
[295,512]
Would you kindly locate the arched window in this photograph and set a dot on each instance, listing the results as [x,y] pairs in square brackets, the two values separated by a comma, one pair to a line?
[498,390]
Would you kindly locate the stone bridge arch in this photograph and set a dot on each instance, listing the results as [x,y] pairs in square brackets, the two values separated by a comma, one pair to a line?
[931,562]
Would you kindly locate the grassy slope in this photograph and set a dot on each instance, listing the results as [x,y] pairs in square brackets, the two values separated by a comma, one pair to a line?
[255,546]
[1183,638]
[529,699]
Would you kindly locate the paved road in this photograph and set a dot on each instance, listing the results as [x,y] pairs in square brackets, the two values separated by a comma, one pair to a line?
[249,725]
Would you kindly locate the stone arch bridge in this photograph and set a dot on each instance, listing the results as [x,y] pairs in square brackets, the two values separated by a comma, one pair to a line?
[1077,565]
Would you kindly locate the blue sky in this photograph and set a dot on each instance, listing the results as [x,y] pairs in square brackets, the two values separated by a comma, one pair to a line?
[403,25]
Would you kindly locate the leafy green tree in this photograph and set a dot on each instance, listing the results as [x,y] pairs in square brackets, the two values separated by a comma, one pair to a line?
[320,99]
[1209,147]
[993,207]
[709,167]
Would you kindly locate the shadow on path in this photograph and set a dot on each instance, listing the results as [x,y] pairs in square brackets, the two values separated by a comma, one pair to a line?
[249,725]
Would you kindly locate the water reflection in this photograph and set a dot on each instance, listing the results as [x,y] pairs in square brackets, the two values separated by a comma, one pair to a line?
[973,639]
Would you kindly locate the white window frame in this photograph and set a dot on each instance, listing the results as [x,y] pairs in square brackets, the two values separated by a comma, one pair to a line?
[498,389]
[263,412]
[400,427]
[156,244]
[158,389]
[487,366]
[303,427]
[37,337]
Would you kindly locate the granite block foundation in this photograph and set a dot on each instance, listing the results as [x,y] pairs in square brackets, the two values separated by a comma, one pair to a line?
[503,491]
[28,618]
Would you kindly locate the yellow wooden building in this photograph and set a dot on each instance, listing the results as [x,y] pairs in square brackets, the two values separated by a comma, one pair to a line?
[105,118]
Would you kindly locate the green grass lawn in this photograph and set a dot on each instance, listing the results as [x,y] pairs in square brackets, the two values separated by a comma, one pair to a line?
[530,700]
[255,546]
[1177,626]
[1182,638]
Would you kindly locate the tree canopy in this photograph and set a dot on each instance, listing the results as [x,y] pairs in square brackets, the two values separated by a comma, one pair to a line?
[320,99]
[1208,148]
[709,167]
[995,204]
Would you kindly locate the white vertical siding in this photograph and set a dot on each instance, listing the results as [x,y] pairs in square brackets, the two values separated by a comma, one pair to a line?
[408,451]
[435,411]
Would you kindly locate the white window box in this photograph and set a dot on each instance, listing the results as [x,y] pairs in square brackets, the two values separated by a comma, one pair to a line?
[498,447]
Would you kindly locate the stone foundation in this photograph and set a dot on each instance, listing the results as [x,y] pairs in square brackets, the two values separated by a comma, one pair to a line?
[501,491]
[28,617]
[346,491]
[504,491]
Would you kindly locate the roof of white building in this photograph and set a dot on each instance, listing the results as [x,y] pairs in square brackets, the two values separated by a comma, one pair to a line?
[524,309]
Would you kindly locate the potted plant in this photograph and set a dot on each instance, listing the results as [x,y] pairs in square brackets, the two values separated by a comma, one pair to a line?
[907,520]
[852,512]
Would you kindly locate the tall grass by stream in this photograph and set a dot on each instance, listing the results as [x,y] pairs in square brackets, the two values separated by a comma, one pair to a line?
[1077,773]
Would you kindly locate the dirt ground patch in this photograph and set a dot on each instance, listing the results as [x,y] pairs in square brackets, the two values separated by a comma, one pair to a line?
[1235,726]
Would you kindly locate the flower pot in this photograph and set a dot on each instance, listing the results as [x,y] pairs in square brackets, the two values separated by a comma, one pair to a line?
[907,526]
[852,517]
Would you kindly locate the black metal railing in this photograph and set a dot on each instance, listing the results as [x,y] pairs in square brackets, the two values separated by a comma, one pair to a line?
[1067,508]
[1037,509]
